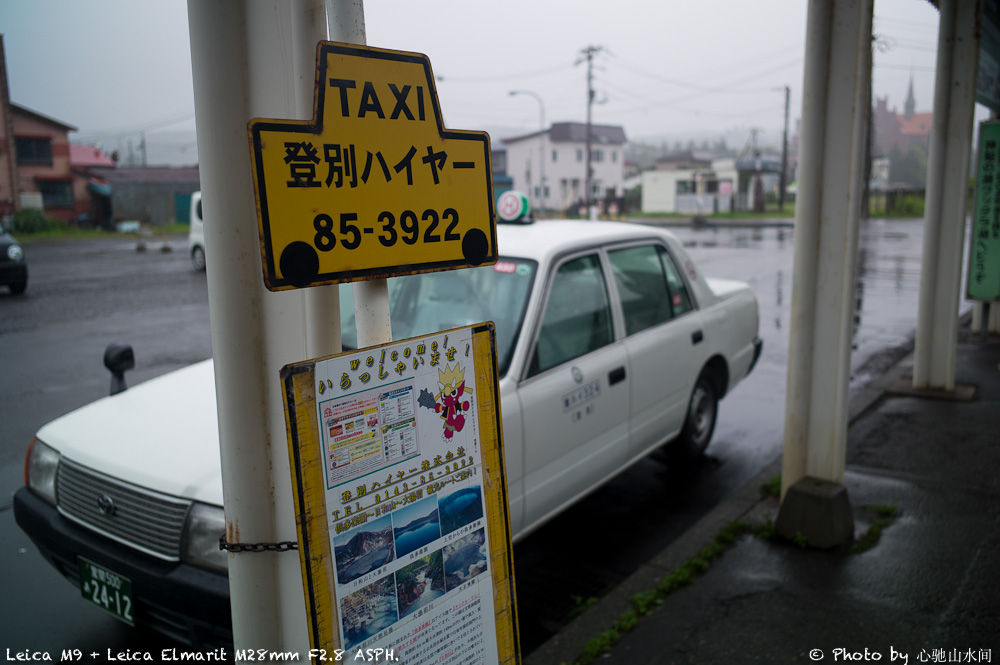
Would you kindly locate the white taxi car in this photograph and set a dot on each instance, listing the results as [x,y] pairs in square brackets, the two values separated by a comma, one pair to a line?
[610,345]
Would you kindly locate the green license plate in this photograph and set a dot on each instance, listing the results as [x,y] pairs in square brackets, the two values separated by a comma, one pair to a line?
[108,590]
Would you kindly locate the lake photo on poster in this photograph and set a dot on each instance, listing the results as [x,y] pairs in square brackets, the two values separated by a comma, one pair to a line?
[461,507]
[416,525]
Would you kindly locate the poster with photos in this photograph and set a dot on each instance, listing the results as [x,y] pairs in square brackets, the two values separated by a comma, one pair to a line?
[409,486]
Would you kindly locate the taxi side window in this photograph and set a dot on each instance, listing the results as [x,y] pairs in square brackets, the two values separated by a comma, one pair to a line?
[642,287]
[577,317]
[680,299]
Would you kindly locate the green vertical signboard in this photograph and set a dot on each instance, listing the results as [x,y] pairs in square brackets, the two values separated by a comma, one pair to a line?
[984,255]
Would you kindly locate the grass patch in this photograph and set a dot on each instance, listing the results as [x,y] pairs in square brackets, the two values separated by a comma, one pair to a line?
[55,230]
[885,514]
[60,233]
[644,603]
[581,605]
[772,486]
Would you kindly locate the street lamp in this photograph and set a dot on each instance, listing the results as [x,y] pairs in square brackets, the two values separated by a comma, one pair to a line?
[541,145]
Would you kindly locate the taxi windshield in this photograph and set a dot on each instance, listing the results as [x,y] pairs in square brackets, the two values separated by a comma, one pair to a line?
[437,301]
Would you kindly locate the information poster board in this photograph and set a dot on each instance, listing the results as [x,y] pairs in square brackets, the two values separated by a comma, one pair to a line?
[984,254]
[401,503]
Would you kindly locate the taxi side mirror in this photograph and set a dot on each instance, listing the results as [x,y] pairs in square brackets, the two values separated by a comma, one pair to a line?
[118,358]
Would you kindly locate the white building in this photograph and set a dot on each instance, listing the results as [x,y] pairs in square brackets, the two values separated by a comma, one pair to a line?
[563,147]
[704,187]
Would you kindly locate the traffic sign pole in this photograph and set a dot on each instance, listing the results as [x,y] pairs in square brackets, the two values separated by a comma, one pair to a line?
[371,297]
[309,27]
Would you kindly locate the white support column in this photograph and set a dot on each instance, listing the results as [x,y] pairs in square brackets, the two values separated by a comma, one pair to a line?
[947,185]
[834,125]
[242,69]
[978,308]
[993,326]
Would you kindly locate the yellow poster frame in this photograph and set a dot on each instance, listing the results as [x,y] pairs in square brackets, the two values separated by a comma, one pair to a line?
[307,464]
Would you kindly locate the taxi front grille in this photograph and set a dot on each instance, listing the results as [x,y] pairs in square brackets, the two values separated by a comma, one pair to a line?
[145,520]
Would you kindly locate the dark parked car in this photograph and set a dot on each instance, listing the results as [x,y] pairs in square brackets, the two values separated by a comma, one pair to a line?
[13,267]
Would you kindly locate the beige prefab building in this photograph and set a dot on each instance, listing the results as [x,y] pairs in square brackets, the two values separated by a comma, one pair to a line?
[697,190]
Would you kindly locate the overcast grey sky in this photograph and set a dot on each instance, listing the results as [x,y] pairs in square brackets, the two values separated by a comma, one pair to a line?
[669,70]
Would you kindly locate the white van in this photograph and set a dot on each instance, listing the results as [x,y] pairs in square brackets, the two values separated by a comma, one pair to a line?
[196,234]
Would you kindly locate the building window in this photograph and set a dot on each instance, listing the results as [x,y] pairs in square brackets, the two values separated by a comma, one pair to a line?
[579,154]
[56,193]
[34,151]
[597,155]
[614,156]
[554,155]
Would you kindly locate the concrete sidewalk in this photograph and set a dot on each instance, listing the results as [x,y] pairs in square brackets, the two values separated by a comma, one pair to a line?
[927,591]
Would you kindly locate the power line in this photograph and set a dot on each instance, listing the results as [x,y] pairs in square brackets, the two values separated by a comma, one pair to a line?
[503,77]
[119,134]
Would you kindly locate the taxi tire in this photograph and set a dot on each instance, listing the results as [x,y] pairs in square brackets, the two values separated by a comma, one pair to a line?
[198,259]
[699,422]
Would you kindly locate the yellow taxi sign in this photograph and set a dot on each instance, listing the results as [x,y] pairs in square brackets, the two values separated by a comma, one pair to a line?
[374,185]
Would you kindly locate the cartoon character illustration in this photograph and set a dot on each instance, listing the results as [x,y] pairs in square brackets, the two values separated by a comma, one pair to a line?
[448,402]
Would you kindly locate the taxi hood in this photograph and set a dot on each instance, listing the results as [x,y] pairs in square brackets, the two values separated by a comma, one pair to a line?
[162,434]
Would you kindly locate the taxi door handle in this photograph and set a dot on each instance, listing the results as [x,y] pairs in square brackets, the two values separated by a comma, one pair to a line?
[616,375]
[697,336]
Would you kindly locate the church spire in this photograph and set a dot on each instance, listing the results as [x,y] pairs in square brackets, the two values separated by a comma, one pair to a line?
[911,103]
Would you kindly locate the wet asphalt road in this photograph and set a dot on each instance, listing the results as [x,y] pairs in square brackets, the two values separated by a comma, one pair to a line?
[84,294]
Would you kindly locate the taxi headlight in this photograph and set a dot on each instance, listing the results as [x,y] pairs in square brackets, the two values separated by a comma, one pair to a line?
[205,524]
[15,253]
[40,468]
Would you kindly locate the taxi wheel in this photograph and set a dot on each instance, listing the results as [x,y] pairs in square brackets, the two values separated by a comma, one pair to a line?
[198,258]
[18,287]
[699,424]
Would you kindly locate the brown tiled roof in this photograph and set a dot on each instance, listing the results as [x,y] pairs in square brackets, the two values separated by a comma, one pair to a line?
[919,124]
[38,116]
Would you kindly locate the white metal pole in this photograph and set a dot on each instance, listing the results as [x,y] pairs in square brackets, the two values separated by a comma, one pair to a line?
[947,182]
[322,303]
[541,154]
[541,145]
[241,71]
[371,297]
[834,107]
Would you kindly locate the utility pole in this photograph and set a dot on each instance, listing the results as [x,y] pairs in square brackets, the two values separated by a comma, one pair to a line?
[758,186]
[588,55]
[784,158]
